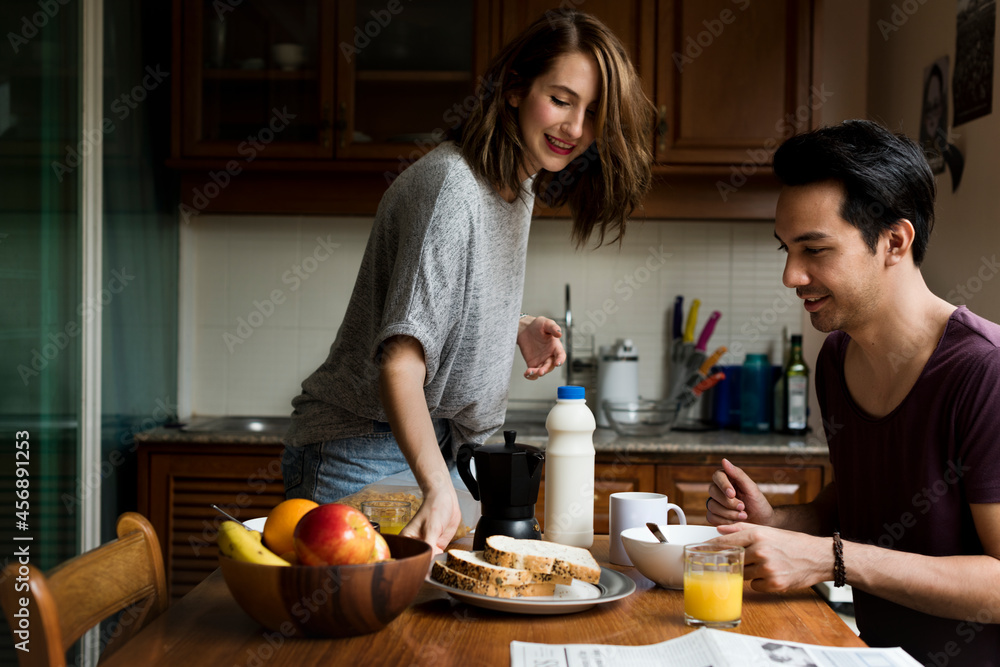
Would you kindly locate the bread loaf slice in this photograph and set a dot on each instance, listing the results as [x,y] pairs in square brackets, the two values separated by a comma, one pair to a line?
[472,564]
[449,577]
[538,556]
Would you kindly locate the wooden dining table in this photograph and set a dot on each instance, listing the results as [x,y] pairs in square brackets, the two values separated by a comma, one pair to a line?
[207,627]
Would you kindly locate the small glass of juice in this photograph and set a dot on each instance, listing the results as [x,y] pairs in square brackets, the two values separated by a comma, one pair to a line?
[391,515]
[713,585]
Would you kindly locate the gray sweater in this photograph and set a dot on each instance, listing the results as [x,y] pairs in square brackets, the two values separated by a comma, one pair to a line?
[445,265]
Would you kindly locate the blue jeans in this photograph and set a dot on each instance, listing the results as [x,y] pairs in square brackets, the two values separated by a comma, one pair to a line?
[328,471]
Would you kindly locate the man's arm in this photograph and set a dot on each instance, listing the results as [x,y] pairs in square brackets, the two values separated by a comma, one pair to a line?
[959,587]
[401,388]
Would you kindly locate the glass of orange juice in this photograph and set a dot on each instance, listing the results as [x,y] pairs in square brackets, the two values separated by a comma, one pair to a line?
[391,515]
[713,585]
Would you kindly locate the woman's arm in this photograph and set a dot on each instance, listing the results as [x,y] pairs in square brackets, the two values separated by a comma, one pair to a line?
[401,388]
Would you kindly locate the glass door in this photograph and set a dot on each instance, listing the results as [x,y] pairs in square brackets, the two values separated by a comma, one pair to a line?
[40,277]
[405,73]
[258,79]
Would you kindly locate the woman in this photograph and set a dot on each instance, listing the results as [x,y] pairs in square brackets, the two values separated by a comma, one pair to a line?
[422,361]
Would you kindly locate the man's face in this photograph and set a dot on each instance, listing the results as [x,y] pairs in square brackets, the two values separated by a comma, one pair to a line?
[828,263]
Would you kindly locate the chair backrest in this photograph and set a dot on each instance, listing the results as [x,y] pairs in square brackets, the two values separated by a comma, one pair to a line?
[53,610]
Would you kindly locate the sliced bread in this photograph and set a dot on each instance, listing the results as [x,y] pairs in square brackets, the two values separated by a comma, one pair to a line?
[449,577]
[472,564]
[538,556]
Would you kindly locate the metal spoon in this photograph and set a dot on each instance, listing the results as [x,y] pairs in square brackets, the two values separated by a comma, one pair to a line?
[655,529]
[229,516]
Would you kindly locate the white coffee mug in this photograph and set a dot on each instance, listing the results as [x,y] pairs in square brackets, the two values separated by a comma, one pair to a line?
[635,508]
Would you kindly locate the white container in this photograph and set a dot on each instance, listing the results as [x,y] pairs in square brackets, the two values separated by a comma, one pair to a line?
[569,470]
[617,376]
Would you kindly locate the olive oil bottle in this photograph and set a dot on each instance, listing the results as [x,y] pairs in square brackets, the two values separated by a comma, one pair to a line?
[794,390]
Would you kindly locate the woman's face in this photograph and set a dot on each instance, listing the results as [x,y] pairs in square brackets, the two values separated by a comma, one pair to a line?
[556,117]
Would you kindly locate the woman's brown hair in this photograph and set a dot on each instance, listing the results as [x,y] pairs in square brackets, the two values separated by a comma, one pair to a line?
[605,184]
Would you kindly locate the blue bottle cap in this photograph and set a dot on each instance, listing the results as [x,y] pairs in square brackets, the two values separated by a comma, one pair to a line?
[570,391]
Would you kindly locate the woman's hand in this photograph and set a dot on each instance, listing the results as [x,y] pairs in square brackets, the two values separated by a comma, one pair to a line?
[538,339]
[437,519]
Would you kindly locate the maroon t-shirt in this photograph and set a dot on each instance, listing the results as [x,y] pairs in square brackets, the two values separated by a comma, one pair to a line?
[905,481]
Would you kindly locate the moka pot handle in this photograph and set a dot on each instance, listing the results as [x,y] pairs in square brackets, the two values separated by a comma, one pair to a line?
[462,459]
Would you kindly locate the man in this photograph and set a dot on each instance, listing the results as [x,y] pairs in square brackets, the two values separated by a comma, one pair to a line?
[909,387]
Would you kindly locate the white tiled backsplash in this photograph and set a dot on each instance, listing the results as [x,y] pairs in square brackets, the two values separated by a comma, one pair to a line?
[266,295]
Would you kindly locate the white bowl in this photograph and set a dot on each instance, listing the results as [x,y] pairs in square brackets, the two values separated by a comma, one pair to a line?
[664,563]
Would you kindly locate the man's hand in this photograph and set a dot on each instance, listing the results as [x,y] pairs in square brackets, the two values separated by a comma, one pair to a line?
[538,338]
[734,497]
[437,519]
[779,560]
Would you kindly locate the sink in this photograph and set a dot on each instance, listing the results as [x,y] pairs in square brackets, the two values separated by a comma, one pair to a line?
[271,425]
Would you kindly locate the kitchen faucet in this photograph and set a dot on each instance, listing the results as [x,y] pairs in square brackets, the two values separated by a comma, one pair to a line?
[568,339]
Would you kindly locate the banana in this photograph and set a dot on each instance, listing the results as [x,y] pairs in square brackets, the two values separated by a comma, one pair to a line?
[239,543]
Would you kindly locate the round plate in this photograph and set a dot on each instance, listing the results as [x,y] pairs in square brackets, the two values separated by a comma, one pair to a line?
[579,596]
[256,524]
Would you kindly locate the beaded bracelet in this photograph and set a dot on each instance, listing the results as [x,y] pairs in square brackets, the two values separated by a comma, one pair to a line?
[839,571]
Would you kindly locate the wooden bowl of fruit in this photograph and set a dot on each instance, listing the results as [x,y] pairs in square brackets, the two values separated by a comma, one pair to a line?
[358,584]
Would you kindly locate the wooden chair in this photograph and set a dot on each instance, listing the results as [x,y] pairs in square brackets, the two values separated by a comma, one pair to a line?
[78,594]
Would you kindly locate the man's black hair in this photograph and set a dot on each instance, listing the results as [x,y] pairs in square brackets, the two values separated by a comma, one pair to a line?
[885,177]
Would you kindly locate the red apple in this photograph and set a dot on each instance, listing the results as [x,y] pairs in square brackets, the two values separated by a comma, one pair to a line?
[334,534]
[381,550]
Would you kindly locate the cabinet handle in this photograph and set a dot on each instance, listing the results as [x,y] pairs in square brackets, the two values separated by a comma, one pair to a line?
[662,127]
[326,126]
[341,124]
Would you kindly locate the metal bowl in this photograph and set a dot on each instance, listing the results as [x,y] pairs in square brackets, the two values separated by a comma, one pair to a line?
[640,418]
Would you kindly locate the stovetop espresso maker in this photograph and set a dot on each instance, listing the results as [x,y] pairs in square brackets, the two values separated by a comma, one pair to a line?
[506,481]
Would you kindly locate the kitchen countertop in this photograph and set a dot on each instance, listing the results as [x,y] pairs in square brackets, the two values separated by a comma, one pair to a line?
[270,430]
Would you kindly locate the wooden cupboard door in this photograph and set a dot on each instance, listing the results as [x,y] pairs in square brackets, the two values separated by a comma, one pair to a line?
[633,21]
[407,75]
[687,485]
[733,79]
[178,497]
[608,478]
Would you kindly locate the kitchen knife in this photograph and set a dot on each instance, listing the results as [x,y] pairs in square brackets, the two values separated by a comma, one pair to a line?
[707,332]
[691,394]
[692,321]
[696,357]
[712,360]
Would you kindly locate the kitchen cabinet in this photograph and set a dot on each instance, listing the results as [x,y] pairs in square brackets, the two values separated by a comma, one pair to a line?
[608,478]
[733,79]
[687,485]
[380,83]
[684,479]
[257,79]
[178,483]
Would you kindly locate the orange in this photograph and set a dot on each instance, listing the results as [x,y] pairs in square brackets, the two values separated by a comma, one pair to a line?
[281,521]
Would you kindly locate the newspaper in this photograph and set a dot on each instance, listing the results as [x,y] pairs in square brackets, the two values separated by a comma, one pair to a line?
[706,648]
